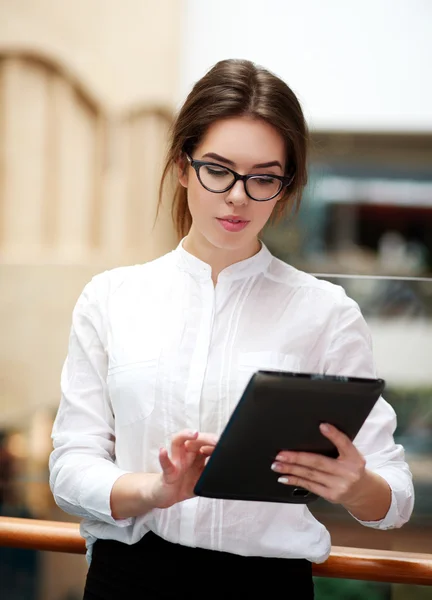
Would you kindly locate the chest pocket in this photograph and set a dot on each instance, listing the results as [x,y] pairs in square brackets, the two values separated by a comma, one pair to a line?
[251,362]
[132,389]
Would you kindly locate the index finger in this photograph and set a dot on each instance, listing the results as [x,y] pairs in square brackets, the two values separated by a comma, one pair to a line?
[203,440]
[179,439]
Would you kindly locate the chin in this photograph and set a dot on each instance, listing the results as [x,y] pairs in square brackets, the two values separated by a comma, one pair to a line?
[231,241]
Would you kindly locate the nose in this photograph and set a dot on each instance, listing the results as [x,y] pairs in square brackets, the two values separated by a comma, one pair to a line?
[237,194]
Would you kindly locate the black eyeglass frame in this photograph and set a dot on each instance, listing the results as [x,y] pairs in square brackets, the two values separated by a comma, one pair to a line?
[197,164]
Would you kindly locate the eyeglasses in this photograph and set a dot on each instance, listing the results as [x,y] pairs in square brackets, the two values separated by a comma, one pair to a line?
[218,179]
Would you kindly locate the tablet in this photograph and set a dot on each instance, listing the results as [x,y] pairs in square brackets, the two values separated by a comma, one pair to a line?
[282,411]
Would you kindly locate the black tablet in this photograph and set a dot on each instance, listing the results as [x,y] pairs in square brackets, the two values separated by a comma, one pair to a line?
[282,411]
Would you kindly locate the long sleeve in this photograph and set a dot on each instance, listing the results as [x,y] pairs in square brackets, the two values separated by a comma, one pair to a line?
[350,353]
[82,464]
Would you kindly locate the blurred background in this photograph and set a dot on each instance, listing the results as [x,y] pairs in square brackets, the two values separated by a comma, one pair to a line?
[88,90]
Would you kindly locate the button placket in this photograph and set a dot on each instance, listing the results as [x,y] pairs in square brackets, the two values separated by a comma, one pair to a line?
[193,396]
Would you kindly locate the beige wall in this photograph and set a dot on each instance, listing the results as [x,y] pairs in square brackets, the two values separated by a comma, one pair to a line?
[86,97]
[124,50]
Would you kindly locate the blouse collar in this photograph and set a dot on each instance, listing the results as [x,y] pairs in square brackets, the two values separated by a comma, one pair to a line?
[254,265]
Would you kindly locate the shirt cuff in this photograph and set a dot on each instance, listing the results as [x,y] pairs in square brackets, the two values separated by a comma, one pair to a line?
[95,493]
[388,522]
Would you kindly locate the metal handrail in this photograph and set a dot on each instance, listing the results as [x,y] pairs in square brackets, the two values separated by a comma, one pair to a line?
[346,563]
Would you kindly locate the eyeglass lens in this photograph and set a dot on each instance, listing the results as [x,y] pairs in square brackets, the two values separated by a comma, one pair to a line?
[218,179]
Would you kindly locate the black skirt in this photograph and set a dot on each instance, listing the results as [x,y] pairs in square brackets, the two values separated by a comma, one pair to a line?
[156,569]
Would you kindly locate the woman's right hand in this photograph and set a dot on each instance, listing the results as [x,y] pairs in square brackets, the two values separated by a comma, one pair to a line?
[182,469]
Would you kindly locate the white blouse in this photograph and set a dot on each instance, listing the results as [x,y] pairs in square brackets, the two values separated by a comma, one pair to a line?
[156,348]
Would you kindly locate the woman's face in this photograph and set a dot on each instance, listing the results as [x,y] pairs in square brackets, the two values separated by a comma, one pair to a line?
[240,143]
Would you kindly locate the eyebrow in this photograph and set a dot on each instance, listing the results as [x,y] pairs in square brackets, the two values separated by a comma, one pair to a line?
[272,163]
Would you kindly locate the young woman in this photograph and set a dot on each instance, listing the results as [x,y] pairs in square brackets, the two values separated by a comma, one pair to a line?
[160,353]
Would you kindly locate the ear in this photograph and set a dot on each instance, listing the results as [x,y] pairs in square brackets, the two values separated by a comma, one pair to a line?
[182,171]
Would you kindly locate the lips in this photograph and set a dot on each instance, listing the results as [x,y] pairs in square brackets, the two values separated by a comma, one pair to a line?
[233,223]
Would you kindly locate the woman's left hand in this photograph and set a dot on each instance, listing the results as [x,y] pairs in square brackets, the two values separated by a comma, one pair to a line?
[338,480]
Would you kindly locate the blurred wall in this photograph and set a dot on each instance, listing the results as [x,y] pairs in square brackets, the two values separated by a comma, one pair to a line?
[125,52]
[354,65]
[86,99]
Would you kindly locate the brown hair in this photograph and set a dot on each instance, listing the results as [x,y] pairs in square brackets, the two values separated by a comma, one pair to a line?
[235,88]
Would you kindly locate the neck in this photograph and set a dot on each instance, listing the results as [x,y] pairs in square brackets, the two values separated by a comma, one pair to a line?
[218,258]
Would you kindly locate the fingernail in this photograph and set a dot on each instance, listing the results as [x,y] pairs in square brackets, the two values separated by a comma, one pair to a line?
[275,466]
[279,457]
[324,427]
[283,480]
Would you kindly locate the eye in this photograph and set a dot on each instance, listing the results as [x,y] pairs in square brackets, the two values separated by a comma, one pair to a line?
[216,171]
[265,180]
